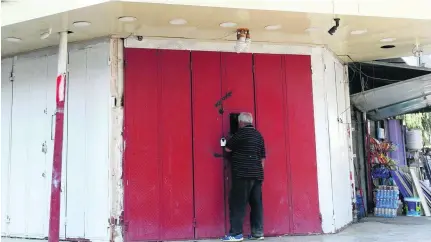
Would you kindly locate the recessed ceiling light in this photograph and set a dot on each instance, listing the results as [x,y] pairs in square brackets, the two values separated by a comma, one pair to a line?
[273,27]
[387,46]
[13,39]
[178,21]
[387,39]
[359,31]
[45,34]
[127,19]
[312,29]
[228,25]
[81,23]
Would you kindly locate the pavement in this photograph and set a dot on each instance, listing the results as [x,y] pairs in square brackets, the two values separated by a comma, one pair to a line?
[400,229]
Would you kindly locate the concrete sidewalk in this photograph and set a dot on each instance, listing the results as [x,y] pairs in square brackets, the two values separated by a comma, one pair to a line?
[400,229]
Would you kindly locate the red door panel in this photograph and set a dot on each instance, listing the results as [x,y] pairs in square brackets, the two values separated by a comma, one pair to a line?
[158,155]
[141,166]
[207,130]
[302,145]
[237,77]
[271,121]
[175,146]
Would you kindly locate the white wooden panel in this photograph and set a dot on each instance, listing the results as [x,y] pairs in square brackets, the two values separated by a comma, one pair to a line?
[27,159]
[334,141]
[88,111]
[76,161]
[97,97]
[322,142]
[344,215]
[6,116]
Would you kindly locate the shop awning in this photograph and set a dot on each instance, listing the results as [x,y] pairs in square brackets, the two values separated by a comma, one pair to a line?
[395,99]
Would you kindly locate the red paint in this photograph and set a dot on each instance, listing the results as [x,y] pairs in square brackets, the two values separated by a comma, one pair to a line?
[207,131]
[54,213]
[237,77]
[158,155]
[302,145]
[271,119]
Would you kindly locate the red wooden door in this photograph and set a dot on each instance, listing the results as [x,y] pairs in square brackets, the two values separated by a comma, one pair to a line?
[207,131]
[237,77]
[301,145]
[174,186]
[158,130]
[271,120]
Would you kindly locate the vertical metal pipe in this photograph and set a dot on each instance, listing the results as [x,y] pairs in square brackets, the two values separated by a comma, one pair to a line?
[54,213]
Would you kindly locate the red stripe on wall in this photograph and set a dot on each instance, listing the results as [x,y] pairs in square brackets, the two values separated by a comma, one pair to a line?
[207,131]
[271,122]
[302,145]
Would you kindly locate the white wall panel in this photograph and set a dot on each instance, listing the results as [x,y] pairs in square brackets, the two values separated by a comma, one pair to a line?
[97,123]
[85,202]
[27,158]
[6,122]
[332,140]
[342,170]
[322,141]
[87,162]
[76,161]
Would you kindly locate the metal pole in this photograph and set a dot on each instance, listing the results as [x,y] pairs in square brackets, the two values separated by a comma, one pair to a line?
[54,213]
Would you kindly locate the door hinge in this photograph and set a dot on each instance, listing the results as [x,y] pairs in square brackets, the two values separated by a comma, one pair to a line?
[44,147]
[7,219]
[12,77]
[194,222]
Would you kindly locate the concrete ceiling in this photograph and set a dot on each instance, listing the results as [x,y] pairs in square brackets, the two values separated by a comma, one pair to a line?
[203,23]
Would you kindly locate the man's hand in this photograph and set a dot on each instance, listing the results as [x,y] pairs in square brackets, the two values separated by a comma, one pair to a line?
[263,163]
[227,149]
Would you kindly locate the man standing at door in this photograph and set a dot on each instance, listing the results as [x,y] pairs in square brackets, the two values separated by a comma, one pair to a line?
[247,161]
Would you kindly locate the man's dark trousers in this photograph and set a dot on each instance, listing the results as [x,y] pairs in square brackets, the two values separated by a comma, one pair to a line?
[245,191]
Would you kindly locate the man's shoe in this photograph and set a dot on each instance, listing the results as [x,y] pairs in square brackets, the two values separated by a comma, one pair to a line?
[238,237]
[252,237]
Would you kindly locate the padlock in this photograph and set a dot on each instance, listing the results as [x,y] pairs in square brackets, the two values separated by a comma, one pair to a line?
[223,142]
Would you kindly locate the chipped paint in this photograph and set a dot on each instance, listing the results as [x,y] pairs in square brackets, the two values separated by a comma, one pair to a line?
[116,141]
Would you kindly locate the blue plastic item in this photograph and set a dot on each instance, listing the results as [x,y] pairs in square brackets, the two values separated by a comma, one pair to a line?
[413,206]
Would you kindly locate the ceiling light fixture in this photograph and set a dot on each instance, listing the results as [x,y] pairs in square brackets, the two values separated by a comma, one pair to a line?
[228,25]
[358,32]
[45,34]
[178,21]
[388,40]
[273,27]
[81,23]
[243,40]
[334,28]
[13,39]
[127,19]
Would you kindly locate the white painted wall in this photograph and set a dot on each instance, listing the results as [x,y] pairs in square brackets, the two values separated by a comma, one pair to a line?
[330,97]
[6,105]
[85,181]
[333,139]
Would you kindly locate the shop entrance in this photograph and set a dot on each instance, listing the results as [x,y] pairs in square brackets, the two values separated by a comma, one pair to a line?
[177,106]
